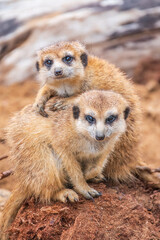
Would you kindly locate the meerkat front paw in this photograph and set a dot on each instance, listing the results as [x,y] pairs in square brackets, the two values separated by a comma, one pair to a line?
[39,108]
[149,175]
[98,179]
[59,105]
[89,193]
[66,195]
[94,175]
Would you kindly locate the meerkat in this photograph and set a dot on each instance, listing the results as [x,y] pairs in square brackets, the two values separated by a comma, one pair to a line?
[66,69]
[64,75]
[47,159]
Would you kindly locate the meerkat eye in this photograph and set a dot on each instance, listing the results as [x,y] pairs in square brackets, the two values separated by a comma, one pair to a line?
[90,119]
[67,59]
[111,119]
[48,62]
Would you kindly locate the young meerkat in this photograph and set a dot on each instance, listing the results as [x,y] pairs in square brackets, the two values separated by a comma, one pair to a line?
[46,160]
[65,69]
[62,70]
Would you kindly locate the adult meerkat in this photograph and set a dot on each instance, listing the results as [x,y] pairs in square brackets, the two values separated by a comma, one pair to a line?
[47,159]
[65,69]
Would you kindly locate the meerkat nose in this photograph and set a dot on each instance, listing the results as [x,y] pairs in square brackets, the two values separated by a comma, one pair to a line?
[99,138]
[58,72]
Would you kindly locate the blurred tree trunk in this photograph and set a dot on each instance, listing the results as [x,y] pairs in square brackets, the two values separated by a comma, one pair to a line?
[122,31]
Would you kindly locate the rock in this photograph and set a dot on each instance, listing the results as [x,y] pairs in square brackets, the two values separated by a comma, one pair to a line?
[120,30]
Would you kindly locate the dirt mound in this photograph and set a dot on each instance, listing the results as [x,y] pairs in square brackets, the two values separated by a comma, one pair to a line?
[122,212]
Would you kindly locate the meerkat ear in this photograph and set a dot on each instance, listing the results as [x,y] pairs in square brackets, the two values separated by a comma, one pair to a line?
[84,59]
[76,112]
[126,112]
[37,66]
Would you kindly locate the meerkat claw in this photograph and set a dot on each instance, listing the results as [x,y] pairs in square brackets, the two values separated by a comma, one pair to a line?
[42,112]
[58,106]
[104,179]
[156,170]
[144,168]
[89,197]
[89,193]
[76,199]
[148,169]
[98,179]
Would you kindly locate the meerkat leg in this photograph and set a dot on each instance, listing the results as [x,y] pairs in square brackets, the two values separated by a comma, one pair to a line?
[44,94]
[122,161]
[77,178]
[123,170]
[94,174]
[55,180]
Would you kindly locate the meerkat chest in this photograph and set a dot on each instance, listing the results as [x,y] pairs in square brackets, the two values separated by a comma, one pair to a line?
[65,90]
[88,150]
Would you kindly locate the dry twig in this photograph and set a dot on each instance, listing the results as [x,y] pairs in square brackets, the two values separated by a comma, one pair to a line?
[3,157]
[6,174]
[2,140]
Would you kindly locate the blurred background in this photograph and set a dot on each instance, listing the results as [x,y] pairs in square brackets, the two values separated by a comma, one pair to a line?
[125,32]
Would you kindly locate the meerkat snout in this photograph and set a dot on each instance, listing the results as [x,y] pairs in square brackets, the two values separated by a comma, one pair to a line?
[99,130]
[100,137]
[58,72]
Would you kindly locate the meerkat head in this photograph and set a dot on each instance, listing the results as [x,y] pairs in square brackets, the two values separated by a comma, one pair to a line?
[101,115]
[62,62]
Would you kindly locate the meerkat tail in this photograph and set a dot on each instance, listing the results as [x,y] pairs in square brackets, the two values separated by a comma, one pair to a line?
[10,211]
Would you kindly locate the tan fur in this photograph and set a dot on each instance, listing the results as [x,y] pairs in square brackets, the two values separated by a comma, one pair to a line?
[46,159]
[99,74]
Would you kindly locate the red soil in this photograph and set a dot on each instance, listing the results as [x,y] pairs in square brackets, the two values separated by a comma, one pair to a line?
[122,212]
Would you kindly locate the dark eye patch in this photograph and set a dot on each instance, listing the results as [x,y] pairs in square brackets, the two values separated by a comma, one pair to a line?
[90,119]
[68,59]
[84,59]
[76,112]
[111,119]
[37,66]
[48,63]
[126,112]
